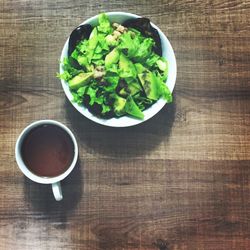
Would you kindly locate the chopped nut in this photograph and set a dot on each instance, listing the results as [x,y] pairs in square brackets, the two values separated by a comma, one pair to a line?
[99,68]
[110,39]
[98,74]
[121,28]
[116,34]
[115,25]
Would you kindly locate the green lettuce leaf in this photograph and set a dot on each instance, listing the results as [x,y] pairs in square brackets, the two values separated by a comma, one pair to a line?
[112,80]
[144,50]
[152,59]
[128,45]
[165,92]
[82,47]
[104,24]
[69,71]
[81,91]
[76,98]
[103,43]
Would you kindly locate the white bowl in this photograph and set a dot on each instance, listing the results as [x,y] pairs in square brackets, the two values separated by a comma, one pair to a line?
[125,121]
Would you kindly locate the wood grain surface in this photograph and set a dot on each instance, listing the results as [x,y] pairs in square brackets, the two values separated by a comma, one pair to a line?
[179,181]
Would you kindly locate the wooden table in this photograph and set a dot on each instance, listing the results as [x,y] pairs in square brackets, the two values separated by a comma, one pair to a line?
[179,181]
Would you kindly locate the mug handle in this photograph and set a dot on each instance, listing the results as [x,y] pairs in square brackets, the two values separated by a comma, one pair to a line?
[57,191]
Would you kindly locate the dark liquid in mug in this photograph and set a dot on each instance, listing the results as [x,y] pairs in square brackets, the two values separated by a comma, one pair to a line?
[47,150]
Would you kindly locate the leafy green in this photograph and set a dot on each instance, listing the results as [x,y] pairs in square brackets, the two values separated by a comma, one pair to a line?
[144,50]
[102,43]
[128,45]
[142,102]
[152,59]
[82,47]
[91,92]
[112,79]
[69,70]
[104,24]
[164,91]
[81,91]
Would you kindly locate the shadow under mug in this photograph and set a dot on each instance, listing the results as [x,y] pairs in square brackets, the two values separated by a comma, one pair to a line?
[54,181]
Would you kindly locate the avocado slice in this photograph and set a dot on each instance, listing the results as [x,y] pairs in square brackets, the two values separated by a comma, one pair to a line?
[112,58]
[126,67]
[130,89]
[124,62]
[150,85]
[131,108]
[80,80]
[140,68]
[119,105]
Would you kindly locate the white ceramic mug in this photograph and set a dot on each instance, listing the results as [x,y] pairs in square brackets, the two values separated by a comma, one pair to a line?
[55,181]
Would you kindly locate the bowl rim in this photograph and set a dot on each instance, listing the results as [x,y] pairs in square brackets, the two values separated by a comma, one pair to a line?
[124,121]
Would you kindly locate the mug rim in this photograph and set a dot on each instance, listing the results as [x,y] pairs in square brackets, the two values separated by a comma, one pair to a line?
[22,166]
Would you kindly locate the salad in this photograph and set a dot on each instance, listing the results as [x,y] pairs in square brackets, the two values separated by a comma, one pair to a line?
[116,69]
